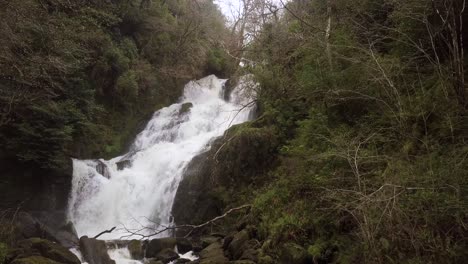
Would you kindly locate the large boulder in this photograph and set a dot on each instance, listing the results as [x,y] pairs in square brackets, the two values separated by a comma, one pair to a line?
[213,254]
[50,225]
[45,249]
[94,251]
[236,247]
[157,245]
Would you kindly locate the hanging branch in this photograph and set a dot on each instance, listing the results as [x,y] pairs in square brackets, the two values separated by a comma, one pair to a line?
[104,232]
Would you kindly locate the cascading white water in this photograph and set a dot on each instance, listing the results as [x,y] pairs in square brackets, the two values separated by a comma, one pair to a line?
[142,193]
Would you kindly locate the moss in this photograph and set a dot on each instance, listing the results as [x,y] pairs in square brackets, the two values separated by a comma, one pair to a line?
[3,251]
[34,260]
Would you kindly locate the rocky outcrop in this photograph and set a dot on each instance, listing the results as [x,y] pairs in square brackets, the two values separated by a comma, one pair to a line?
[233,161]
[48,225]
[37,250]
[94,251]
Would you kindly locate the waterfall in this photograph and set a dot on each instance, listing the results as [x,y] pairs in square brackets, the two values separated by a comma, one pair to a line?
[137,189]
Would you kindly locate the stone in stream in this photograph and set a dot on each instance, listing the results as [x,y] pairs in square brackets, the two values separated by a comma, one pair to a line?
[122,164]
[102,169]
[183,245]
[167,255]
[185,108]
[94,251]
[157,245]
[136,250]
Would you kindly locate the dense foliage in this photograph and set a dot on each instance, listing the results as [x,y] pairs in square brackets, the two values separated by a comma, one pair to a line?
[369,101]
[77,77]
[375,135]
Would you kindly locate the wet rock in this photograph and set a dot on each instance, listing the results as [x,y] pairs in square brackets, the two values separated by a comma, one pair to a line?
[94,251]
[197,245]
[242,262]
[213,254]
[237,244]
[122,164]
[185,108]
[102,169]
[183,245]
[167,255]
[157,245]
[292,253]
[181,260]
[136,250]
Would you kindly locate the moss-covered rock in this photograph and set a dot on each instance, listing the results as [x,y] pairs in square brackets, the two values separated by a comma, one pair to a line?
[292,253]
[213,254]
[94,251]
[136,249]
[48,250]
[34,260]
[236,246]
[157,245]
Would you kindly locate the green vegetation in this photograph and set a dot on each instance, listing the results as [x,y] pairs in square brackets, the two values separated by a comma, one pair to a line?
[78,78]
[371,116]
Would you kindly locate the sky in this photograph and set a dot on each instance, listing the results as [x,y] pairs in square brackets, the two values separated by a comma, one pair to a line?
[229,7]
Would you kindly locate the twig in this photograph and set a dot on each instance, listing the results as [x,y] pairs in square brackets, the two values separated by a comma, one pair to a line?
[191,227]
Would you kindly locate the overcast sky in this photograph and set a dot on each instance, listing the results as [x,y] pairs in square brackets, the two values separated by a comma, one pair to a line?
[229,7]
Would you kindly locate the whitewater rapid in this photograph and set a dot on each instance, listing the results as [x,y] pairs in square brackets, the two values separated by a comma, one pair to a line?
[141,192]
